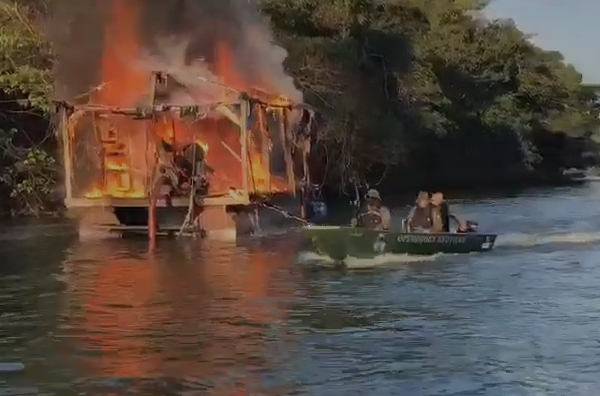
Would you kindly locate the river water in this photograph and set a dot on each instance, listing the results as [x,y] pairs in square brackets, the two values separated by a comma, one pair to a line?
[107,318]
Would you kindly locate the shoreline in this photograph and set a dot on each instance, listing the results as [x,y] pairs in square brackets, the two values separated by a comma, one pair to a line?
[407,191]
[455,188]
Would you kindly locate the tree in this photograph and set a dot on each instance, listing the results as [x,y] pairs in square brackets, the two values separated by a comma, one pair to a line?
[26,56]
[28,170]
[423,91]
[430,88]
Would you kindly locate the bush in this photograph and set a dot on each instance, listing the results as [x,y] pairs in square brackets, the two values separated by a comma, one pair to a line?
[28,177]
[430,90]
[406,90]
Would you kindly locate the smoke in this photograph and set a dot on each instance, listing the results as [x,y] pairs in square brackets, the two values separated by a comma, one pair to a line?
[196,83]
[193,40]
[76,30]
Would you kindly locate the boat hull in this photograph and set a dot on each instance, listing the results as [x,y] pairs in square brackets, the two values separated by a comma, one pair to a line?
[338,243]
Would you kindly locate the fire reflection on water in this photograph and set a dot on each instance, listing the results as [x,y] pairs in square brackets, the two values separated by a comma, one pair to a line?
[197,319]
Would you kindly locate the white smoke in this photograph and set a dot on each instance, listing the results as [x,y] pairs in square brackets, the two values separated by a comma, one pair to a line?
[207,27]
[270,56]
[180,37]
[199,85]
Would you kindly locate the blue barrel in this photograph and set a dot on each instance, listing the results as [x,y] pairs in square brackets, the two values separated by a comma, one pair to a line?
[317,210]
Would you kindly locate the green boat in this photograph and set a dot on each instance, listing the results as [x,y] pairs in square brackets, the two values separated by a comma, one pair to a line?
[339,242]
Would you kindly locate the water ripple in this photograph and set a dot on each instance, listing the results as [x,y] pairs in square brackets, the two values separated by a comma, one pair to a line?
[195,318]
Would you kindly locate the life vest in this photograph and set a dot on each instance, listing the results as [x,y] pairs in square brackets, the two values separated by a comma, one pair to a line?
[370,219]
[441,218]
[422,218]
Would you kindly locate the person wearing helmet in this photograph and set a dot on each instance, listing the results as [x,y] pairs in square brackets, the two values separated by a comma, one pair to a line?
[374,215]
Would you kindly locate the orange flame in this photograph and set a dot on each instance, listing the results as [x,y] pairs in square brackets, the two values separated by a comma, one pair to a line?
[127,85]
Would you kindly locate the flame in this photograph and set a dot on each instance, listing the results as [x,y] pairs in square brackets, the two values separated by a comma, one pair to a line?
[126,84]
[123,85]
[96,192]
[203,145]
[259,176]
[116,166]
[117,183]
[278,102]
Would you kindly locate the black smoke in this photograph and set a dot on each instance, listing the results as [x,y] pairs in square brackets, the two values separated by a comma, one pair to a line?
[181,36]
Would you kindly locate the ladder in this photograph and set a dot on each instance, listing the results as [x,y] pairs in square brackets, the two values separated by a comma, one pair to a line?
[116,166]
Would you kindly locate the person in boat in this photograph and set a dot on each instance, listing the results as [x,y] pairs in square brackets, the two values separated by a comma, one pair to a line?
[469,227]
[420,217]
[441,215]
[374,216]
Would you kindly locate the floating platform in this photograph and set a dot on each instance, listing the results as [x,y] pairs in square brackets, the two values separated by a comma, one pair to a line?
[124,230]
[132,163]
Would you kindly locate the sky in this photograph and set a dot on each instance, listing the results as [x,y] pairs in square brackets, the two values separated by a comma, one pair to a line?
[569,26]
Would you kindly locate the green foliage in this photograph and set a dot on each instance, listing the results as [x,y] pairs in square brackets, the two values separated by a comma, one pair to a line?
[29,175]
[422,89]
[428,87]
[25,55]
[29,172]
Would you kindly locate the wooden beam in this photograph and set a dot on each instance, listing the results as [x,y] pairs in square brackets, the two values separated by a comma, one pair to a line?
[64,129]
[266,144]
[287,151]
[142,202]
[133,111]
[244,110]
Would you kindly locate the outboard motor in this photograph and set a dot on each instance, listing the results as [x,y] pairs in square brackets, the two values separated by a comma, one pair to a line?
[470,227]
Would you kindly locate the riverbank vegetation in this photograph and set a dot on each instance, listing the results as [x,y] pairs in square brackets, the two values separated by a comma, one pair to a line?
[428,93]
[411,93]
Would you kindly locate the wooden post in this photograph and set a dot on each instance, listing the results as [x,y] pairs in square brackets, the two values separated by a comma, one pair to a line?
[64,129]
[152,221]
[287,151]
[101,135]
[152,184]
[266,145]
[174,138]
[244,140]
[306,185]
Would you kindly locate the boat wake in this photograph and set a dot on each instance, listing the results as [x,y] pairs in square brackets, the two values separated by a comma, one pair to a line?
[531,240]
[513,240]
[315,260]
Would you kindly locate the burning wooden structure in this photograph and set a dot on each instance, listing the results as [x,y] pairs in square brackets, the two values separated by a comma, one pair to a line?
[195,169]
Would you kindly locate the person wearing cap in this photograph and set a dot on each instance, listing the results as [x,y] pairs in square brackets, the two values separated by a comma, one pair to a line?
[420,218]
[374,216]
